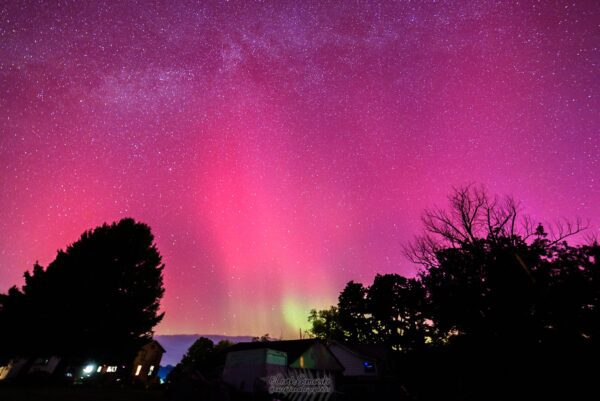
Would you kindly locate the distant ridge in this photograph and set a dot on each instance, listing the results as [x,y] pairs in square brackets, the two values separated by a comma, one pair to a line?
[177,345]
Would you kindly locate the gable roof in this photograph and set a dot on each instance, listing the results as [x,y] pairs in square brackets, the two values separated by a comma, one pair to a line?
[350,350]
[368,351]
[151,342]
[293,348]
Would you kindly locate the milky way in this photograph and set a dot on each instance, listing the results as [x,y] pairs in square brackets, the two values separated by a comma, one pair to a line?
[279,150]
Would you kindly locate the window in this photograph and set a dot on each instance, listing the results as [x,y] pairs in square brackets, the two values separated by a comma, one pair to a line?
[99,369]
[138,370]
[111,369]
[150,370]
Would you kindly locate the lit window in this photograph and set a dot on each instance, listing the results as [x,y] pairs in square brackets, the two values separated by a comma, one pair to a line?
[302,361]
[150,370]
[138,370]
[111,369]
[99,369]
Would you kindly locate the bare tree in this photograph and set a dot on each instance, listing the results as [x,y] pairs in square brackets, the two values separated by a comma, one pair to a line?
[474,215]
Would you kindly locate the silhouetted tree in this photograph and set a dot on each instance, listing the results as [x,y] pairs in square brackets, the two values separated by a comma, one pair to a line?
[489,271]
[483,290]
[388,312]
[325,324]
[263,338]
[352,313]
[498,304]
[396,305]
[204,358]
[489,275]
[474,216]
[516,304]
[568,307]
[98,299]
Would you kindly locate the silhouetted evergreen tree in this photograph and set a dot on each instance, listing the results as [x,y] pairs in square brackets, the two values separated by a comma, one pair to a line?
[98,299]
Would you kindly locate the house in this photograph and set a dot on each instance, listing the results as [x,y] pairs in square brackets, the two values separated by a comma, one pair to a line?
[244,368]
[355,363]
[360,361]
[147,363]
[248,365]
[44,366]
[12,368]
[366,374]
[40,368]
[144,369]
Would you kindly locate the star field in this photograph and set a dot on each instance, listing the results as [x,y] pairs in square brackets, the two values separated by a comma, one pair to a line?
[281,149]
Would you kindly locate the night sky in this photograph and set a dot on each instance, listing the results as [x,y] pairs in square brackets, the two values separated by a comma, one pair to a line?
[279,150]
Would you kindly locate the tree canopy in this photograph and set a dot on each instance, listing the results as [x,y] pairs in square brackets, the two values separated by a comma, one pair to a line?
[99,298]
[498,305]
[488,274]
[203,357]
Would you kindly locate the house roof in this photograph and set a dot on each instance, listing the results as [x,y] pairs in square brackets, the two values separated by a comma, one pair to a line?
[293,348]
[367,351]
[157,343]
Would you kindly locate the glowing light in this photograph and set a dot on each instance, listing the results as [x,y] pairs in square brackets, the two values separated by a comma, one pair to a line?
[295,313]
[150,370]
[88,369]
[138,370]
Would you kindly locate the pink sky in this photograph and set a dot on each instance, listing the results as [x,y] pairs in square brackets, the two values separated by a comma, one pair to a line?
[280,150]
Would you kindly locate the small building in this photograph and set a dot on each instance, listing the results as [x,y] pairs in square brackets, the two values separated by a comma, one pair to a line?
[12,368]
[147,363]
[45,366]
[244,368]
[366,372]
[248,365]
[356,361]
